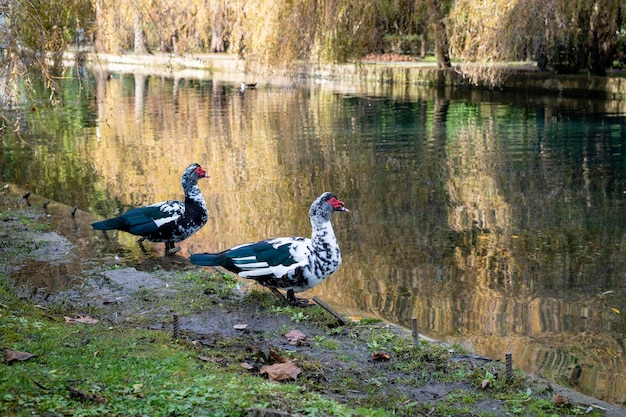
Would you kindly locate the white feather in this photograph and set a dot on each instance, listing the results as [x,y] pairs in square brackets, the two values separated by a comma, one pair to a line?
[245,258]
[248,265]
[161,222]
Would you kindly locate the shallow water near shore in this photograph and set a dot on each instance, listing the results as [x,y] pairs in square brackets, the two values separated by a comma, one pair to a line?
[497,220]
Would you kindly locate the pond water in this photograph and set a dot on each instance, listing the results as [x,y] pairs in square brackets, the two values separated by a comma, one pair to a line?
[497,220]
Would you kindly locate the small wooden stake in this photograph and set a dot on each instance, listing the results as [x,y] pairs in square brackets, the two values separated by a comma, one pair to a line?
[328,308]
[415,333]
[509,366]
[176,327]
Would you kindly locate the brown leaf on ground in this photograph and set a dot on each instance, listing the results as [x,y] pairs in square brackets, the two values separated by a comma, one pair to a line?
[246,365]
[558,398]
[11,356]
[78,394]
[381,356]
[210,359]
[81,318]
[284,371]
[295,337]
[485,383]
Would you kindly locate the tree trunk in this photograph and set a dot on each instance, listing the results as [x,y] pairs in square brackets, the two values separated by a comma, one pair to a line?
[99,44]
[219,30]
[442,53]
[424,43]
[217,42]
[599,42]
[140,36]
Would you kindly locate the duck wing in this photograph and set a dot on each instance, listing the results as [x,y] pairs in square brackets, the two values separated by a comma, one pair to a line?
[143,221]
[266,259]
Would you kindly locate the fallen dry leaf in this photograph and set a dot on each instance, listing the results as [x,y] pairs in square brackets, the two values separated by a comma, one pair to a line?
[295,337]
[75,393]
[614,310]
[210,359]
[278,358]
[284,371]
[381,356]
[81,318]
[246,365]
[558,398]
[485,383]
[11,356]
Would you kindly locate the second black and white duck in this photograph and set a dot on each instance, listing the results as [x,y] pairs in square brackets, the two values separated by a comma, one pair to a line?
[293,264]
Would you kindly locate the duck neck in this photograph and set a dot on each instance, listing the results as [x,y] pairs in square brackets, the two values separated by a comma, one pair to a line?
[323,234]
[193,193]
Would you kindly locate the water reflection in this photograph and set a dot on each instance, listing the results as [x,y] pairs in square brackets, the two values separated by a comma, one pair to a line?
[497,220]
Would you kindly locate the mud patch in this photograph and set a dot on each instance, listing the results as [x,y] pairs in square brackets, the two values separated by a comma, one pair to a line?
[129,280]
[52,248]
[432,392]
[222,322]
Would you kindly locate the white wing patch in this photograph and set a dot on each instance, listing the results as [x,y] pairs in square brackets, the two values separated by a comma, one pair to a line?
[250,265]
[174,208]
[277,270]
[161,222]
[244,258]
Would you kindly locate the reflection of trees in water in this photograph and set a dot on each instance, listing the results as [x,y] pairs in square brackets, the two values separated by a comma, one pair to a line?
[504,263]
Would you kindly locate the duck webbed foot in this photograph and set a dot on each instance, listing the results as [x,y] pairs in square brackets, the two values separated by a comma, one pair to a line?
[295,301]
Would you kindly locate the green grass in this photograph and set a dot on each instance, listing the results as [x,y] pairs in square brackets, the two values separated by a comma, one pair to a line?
[101,370]
[24,220]
[115,370]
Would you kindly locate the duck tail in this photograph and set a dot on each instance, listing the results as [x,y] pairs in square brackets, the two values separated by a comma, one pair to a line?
[110,224]
[205,259]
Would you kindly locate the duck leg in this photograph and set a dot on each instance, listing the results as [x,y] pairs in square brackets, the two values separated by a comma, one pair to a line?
[140,243]
[170,249]
[280,295]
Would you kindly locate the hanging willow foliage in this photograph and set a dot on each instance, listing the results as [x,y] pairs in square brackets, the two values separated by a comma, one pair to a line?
[272,33]
[346,30]
[570,35]
[33,36]
[163,25]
